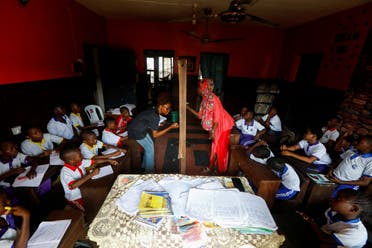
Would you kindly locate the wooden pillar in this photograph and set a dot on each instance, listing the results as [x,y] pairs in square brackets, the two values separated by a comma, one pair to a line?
[182,77]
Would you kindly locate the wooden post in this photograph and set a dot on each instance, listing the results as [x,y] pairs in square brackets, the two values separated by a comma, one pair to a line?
[182,77]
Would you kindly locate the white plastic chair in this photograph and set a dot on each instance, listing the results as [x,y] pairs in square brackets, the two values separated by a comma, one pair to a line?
[94,113]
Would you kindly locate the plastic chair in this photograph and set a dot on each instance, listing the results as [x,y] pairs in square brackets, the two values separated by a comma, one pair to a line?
[94,113]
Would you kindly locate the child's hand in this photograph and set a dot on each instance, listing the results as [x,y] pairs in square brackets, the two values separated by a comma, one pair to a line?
[283,147]
[124,151]
[19,170]
[31,174]
[46,153]
[20,211]
[113,162]
[95,171]
[286,153]
[117,153]
[304,216]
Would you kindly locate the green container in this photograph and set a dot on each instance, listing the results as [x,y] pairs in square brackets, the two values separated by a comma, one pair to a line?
[174,116]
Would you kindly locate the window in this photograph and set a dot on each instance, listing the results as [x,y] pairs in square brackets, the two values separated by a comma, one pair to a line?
[159,65]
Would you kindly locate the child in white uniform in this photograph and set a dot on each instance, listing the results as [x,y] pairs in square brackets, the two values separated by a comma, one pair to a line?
[356,169]
[261,154]
[76,172]
[61,125]
[250,129]
[109,135]
[330,132]
[39,144]
[344,227]
[316,153]
[10,235]
[290,182]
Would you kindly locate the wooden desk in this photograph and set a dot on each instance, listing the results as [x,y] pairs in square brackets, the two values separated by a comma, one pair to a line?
[266,182]
[95,191]
[75,230]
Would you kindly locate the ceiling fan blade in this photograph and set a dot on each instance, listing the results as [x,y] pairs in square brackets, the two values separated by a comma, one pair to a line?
[261,20]
[235,4]
[225,40]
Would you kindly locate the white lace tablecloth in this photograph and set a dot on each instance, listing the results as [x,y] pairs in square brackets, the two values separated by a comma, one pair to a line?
[113,228]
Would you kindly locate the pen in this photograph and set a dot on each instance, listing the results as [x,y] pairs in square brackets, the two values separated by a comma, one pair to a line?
[21,178]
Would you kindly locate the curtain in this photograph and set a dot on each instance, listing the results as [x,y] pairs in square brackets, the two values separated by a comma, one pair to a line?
[214,66]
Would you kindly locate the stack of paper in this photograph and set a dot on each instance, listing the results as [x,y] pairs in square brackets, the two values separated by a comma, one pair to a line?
[23,181]
[104,171]
[229,208]
[49,234]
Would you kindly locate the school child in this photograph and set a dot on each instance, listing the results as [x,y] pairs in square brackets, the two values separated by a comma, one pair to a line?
[38,143]
[75,172]
[290,182]
[91,145]
[261,154]
[11,161]
[330,132]
[315,152]
[60,125]
[250,129]
[10,235]
[242,113]
[344,227]
[122,122]
[343,146]
[356,169]
[109,135]
[272,122]
[77,120]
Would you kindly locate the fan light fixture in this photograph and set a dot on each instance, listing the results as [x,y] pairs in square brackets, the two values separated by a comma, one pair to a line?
[232,16]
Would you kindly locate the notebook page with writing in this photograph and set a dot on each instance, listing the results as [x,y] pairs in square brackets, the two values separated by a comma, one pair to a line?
[23,181]
[49,234]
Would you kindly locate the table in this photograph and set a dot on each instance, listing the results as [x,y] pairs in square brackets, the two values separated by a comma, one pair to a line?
[113,228]
[266,182]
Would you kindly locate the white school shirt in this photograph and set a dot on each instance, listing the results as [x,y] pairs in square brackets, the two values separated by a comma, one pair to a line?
[70,174]
[77,121]
[275,123]
[32,148]
[354,166]
[61,129]
[289,178]
[88,151]
[329,134]
[9,237]
[348,234]
[317,150]
[261,160]
[17,162]
[110,138]
[250,129]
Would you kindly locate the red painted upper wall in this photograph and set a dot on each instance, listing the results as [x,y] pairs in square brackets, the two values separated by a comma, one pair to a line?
[41,40]
[257,56]
[318,37]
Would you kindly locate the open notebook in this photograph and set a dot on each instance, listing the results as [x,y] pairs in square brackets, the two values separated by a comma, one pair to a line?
[49,234]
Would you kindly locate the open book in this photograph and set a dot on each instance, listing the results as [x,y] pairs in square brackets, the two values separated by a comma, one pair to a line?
[319,178]
[49,234]
[111,150]
[23,181]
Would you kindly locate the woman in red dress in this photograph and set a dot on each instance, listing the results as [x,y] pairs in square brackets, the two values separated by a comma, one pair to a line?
[216,120]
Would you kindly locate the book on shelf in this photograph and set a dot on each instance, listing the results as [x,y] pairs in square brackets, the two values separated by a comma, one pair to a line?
[154,204]
[319,178]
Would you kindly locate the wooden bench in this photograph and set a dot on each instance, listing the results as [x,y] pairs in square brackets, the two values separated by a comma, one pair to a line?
[266,182]
[75,230]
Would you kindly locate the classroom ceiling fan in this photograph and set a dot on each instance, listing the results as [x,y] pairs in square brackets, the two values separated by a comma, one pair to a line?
[205,38]
[236,13]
